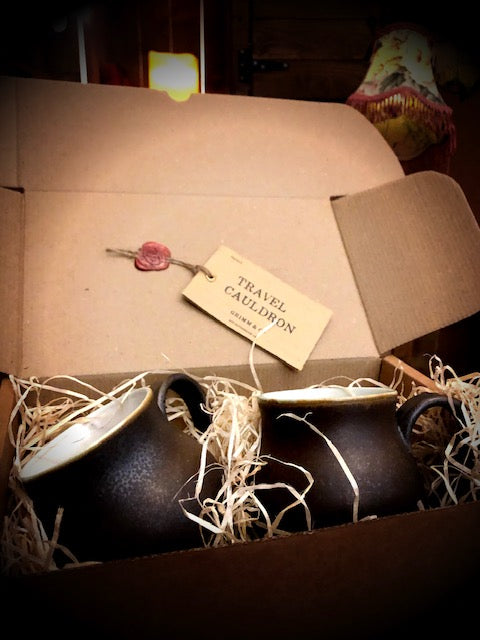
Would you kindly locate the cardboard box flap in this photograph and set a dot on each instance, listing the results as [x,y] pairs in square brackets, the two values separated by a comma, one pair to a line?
[414,247]
[11,281]
[76,137]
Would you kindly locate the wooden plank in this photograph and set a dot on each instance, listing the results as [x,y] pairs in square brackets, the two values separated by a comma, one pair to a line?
[312,39]
[220,55]
[240,39]
[314,9]
[331,81]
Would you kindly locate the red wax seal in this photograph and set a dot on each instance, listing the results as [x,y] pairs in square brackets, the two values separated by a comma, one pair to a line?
[152,256]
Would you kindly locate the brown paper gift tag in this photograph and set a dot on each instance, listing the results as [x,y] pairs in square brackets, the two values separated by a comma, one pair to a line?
[259,306]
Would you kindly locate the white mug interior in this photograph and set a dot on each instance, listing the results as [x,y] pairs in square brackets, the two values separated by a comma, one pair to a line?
[87,433]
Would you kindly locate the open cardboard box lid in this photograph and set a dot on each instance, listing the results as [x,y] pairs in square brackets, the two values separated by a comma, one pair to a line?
[67,136]
[97,166]
[309,192]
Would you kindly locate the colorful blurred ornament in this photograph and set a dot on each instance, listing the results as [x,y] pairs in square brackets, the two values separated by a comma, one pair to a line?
[400,97]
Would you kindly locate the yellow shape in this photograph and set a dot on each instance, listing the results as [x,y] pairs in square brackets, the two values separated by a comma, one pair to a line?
[175,73]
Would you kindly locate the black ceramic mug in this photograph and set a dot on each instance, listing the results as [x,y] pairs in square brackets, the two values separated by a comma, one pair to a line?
[119,475]
[371,436]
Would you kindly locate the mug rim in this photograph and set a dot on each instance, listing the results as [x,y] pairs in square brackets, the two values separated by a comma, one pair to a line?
[330,393]
[46,459]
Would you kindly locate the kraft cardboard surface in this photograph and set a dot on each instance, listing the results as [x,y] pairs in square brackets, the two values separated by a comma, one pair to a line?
[77,137]
[377,579]
[91,140]
[86,311]
[414,248]
[11,278]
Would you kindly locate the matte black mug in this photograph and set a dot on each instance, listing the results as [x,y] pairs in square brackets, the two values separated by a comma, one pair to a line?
[372,437]
[120,475]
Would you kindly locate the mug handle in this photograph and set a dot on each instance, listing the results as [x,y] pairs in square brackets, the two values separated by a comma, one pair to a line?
[409,412]
[191,393]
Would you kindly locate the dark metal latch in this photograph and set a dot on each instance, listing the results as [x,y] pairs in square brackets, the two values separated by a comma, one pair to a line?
[248,65]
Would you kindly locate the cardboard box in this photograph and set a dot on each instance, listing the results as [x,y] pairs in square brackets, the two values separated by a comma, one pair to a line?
[310,192]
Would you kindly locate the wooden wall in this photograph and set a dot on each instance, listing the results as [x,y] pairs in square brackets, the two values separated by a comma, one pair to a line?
[44,42]
[302,50]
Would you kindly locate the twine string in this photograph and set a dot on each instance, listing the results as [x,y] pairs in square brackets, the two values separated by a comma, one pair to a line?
[194,268]
[123,252]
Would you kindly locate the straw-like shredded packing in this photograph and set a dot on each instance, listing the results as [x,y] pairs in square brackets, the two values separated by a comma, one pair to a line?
[447,453]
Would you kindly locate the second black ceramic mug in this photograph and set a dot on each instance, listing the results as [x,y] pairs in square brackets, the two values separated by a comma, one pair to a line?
[315,428]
